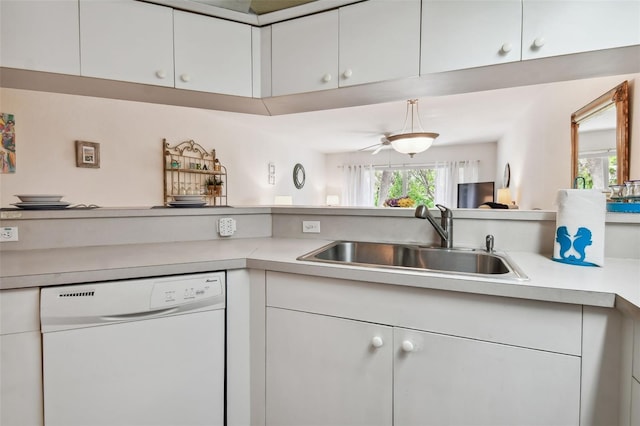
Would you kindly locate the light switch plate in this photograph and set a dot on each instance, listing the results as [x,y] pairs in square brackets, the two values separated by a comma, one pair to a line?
[312,226]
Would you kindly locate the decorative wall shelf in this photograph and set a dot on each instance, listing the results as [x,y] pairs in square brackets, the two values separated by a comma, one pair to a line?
[188,169]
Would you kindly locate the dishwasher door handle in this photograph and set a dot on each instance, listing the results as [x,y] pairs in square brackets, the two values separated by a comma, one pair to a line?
[139,315]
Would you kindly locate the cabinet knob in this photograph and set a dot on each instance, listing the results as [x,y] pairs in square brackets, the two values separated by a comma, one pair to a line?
[185,78]
[348,73]
[161,73]
[407,346]
[538,42]
[377,342]
[326,78]
[506,48]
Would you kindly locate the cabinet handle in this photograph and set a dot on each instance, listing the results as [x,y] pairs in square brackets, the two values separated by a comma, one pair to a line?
[538,42]
[161,74]
[377,342]
[348,73]
[185,78]
[506,48]
[408,346]
[326,78]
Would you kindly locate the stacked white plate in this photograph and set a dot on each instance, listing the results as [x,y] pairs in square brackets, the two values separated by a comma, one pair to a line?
[187,201]
[41,202]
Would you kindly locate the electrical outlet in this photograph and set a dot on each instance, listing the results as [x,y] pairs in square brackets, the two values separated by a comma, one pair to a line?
[312,226]
[226,226]
[9,233]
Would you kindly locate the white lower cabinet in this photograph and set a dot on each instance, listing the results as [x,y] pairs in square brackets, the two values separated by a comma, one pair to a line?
[327,371]
[635,402]
[334,359]
[447,380]
[20,358]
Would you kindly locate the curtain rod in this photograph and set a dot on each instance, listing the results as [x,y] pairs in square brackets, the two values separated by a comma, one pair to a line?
[405,165]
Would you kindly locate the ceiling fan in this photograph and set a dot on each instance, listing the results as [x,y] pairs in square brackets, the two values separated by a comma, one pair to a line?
[384,142]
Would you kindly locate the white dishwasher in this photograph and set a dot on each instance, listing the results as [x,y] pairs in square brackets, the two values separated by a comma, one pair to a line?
[135,352]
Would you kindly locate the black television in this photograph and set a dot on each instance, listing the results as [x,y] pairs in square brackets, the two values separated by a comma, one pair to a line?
[472,195]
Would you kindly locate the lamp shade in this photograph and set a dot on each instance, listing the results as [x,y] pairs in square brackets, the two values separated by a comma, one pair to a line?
[504,196]
[412,139]
[333,200]
[283,200]
[412,143]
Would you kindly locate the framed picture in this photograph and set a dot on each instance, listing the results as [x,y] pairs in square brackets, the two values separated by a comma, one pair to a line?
[87,154]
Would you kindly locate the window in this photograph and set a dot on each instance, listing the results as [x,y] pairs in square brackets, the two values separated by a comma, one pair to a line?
[428,184]
[417,184]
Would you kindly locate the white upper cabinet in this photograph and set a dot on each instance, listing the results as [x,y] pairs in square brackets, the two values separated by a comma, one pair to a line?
[469,33]
[373,41]
[304,54]
[127,40]
[379,40]
[212,55]
[40,35]
[551,28]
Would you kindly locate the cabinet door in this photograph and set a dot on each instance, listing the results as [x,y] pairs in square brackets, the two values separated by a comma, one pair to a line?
[551,28]
[20,358]
[40,35]
[304,54]
[127,40]
[635,402]
[379,40]
[326,371]
[21,379]
[212,55]
[450,380]
[466,34]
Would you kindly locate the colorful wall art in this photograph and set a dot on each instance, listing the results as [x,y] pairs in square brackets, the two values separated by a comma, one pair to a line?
[8,148]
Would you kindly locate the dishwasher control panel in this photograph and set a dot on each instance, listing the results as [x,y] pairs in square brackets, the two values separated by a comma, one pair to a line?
[167,293]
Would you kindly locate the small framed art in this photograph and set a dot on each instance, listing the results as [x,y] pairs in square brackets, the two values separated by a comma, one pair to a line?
[87,154]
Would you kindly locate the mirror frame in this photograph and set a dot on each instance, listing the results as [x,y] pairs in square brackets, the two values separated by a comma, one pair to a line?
[619,96]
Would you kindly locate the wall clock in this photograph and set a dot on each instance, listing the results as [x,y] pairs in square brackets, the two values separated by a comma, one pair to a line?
[298,176]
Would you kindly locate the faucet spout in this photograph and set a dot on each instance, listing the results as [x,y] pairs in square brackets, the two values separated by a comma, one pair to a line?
[444,229]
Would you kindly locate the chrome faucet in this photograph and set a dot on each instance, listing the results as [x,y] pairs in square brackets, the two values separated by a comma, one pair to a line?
[445,229]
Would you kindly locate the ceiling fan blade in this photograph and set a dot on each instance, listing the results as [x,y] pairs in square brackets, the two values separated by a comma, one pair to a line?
[378,149]
[370,146]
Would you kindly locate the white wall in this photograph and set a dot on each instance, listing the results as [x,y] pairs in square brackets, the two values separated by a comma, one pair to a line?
[484,152]
[538,146]
[130,136]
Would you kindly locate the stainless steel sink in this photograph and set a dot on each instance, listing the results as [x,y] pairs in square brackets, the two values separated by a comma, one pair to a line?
[413,257]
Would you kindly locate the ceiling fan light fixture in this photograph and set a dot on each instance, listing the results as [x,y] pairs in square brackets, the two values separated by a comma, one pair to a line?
[412,143]
[413,140]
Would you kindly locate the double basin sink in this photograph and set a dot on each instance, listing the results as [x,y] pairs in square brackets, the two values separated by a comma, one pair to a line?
[473,262]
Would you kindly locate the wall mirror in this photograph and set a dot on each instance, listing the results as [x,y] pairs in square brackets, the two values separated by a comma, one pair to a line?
[600,140]
[299,176]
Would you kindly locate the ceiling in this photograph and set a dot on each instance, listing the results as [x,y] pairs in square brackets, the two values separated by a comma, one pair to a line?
[459,119]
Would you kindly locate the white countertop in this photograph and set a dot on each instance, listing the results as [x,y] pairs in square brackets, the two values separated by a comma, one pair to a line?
[614,285]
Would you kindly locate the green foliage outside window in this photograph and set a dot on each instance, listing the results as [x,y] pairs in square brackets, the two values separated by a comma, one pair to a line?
[417,184]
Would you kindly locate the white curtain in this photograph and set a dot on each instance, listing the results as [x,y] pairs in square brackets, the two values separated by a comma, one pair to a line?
[449,175]
[358,185]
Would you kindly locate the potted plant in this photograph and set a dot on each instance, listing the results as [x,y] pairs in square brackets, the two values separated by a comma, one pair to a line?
[214,185]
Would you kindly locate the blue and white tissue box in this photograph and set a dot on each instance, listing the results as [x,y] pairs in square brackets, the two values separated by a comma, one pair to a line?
[579,236]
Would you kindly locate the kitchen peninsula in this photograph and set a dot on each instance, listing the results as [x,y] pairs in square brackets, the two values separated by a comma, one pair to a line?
[585,314]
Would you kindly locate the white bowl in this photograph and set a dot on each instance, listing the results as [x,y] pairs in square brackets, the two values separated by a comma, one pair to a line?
[40,198]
